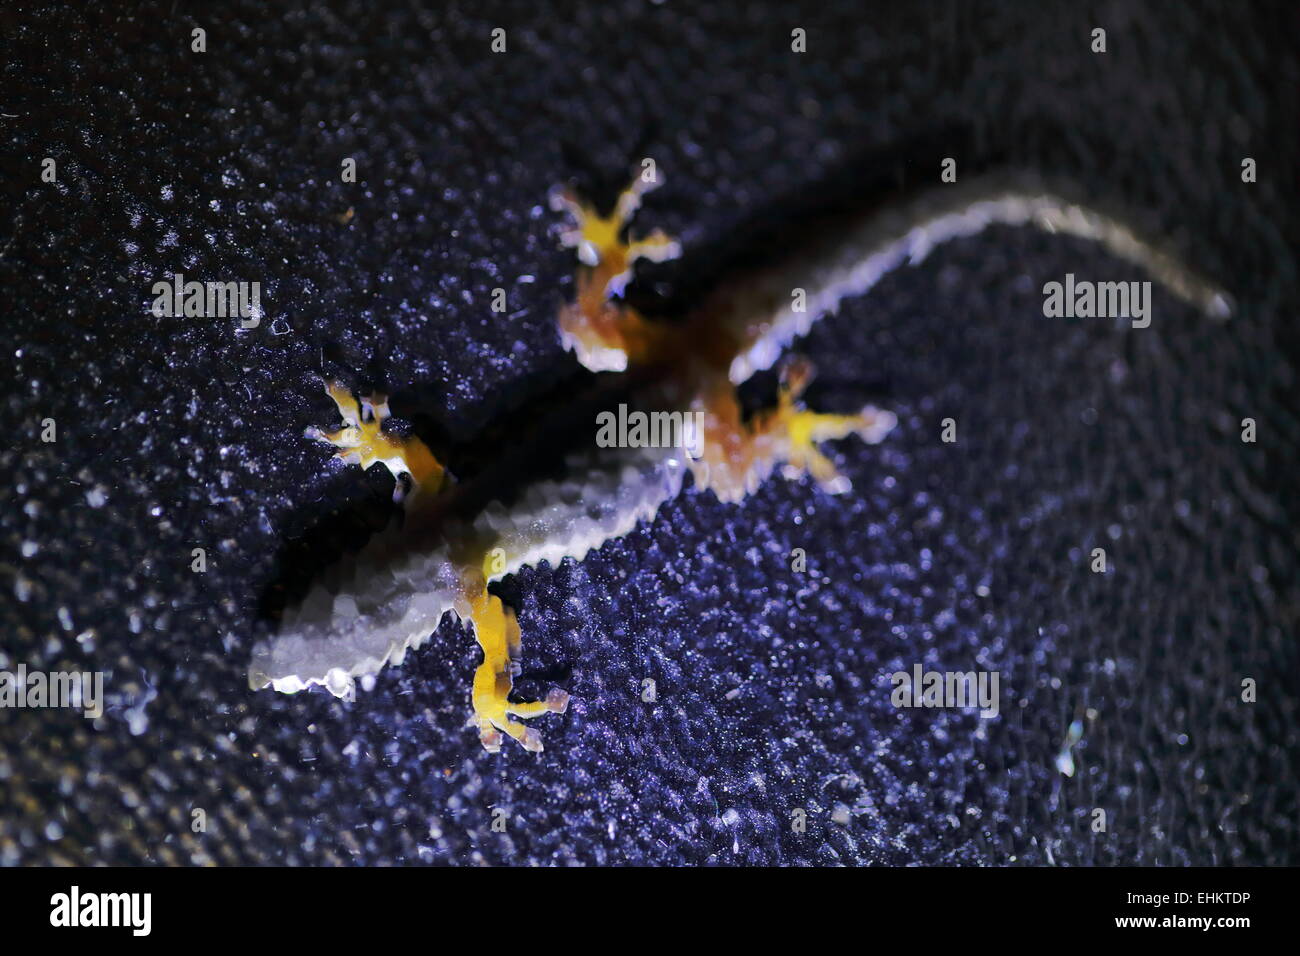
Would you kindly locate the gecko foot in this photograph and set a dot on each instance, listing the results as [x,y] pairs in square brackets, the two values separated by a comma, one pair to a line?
[804,430]
[601,241]
[362,441]
[497,632]
[598,327]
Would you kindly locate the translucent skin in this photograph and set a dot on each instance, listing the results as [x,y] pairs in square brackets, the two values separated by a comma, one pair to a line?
[395,592]
[391,596]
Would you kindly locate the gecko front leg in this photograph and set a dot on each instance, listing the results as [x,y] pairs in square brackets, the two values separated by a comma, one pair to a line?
[497,631]
[363,441]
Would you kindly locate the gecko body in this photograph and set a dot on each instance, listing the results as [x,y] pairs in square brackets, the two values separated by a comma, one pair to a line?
[388,599]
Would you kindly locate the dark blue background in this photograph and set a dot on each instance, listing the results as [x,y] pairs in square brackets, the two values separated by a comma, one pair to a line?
[1073,434]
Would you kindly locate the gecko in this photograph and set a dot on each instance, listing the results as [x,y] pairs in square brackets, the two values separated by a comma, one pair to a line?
[454,541]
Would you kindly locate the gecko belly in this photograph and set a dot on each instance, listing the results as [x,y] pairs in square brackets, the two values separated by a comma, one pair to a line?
[371,608]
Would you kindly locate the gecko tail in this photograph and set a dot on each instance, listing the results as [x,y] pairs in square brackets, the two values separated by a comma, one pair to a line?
[850,263]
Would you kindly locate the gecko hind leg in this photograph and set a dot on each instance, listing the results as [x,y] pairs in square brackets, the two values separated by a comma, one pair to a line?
[603,244]
[804,430]
[497,632]
[735,455]
[598,327]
